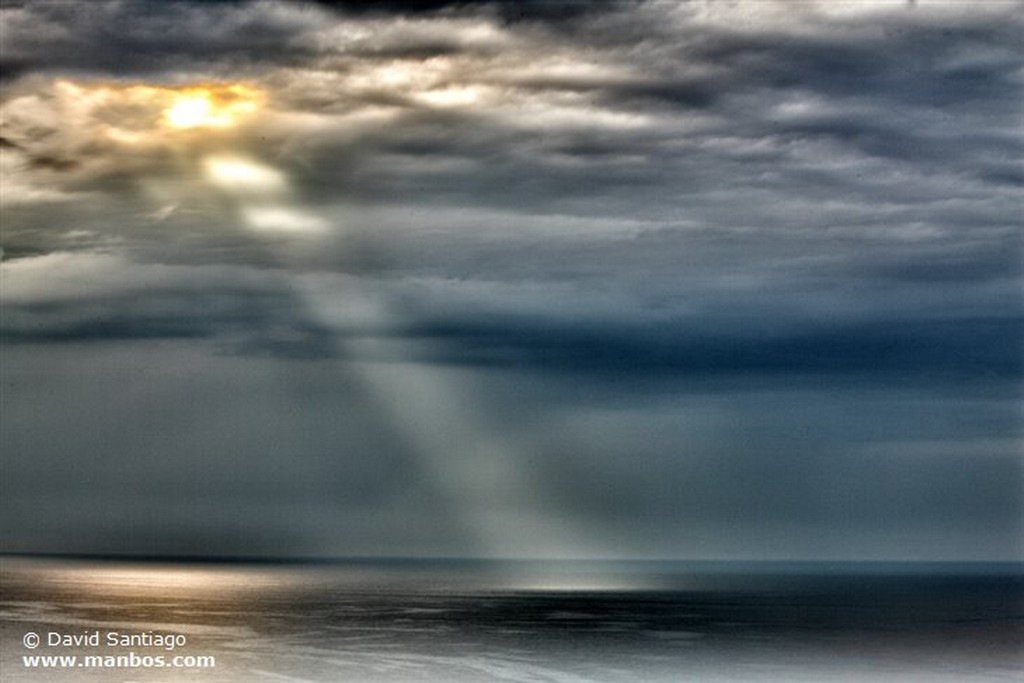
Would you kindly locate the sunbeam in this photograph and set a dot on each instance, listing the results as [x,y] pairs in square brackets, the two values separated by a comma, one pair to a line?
[461,341]
[243,176]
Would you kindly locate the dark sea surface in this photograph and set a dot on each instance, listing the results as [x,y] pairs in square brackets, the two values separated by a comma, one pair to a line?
[532,622]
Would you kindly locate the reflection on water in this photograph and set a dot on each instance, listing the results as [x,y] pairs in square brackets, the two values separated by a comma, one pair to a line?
[514,622]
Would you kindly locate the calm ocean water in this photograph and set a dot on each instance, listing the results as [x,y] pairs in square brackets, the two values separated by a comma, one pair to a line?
[571,623]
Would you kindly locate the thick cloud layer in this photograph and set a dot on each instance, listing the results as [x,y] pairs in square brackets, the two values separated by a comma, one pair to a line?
[676,279]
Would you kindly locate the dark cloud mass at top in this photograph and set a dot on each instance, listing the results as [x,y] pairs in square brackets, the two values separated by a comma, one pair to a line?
[528,244]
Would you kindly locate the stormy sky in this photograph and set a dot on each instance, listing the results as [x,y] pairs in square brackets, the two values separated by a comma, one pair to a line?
[695,280]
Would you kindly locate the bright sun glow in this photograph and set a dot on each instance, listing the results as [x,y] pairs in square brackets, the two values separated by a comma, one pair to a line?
[211,106]
[128,112]
[192,111]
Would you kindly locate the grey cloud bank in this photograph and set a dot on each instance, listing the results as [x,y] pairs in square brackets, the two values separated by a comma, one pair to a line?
[652,279]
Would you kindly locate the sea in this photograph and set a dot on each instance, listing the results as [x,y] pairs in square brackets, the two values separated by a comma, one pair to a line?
[530,621]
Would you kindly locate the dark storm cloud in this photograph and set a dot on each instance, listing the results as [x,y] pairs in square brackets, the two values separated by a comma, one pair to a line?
[655,278]
[879,147]
[136,38]
[931,351]
[507,10]
[236,314]
[253,324]
[871,124]
[955,66]
[861,96]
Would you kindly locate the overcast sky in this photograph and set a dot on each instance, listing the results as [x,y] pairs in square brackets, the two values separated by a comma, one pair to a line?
[697,280]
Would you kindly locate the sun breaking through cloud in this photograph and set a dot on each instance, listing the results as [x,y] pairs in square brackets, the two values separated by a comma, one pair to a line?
[213,106]
[140,106]
[670,279]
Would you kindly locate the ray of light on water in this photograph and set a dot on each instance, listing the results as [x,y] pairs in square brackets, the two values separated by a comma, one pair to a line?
[574,622]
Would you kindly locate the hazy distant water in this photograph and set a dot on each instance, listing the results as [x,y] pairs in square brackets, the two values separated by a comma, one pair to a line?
[526,622]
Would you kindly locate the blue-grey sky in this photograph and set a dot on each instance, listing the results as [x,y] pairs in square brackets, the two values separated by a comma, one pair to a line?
[696,280]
